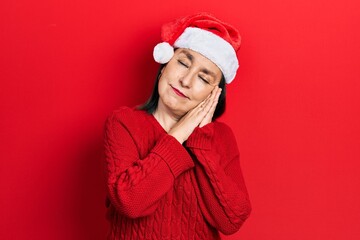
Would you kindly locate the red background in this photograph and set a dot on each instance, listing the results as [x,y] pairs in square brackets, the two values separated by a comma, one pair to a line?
[294,107]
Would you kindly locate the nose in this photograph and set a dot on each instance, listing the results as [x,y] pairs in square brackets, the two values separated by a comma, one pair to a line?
[186,80]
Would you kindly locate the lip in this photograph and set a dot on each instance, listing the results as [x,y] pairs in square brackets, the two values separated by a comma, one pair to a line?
[178,92]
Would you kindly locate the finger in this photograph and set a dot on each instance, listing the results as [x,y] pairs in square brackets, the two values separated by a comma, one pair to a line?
[206,106]
[216,99]
[214,95]
[214,104]
[209,103]
[204,102]
[208,117]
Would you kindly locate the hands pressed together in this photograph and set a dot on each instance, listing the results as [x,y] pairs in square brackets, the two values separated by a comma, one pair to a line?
[197,117]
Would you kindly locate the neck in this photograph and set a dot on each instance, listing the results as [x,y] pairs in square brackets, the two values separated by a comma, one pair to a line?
[165,117]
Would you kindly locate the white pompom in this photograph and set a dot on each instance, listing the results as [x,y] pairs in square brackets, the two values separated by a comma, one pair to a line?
[163,52]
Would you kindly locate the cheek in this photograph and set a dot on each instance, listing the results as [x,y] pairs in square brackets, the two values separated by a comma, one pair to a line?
[201,93]
[171,70]
[161,88]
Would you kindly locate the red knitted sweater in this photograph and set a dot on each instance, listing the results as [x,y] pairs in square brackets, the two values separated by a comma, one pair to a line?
[160,189]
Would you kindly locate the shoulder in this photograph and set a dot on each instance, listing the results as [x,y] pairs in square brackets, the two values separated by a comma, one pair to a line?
[222,129]
[130,118]
[124,113]
[225,135]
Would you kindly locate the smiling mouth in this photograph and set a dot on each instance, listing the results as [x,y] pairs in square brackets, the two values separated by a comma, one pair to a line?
[178,92]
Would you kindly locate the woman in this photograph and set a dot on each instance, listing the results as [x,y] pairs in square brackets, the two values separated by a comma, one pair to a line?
[172,171]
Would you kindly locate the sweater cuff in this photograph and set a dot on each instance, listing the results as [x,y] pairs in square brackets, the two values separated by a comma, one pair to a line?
[173,154]
[201,137]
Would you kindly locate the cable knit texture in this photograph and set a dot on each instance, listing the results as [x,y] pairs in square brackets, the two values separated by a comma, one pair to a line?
[160,189]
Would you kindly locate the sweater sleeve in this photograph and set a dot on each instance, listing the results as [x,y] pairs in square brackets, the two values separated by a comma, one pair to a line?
[217,177]
[135,186]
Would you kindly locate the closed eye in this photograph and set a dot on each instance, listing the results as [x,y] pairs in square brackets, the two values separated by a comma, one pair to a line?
[182,63]
[206,81]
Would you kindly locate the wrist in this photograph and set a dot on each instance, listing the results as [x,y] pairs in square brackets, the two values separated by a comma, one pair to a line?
[177,137]
[201,138]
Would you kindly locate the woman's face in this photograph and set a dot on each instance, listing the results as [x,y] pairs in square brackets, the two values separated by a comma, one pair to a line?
[186,80]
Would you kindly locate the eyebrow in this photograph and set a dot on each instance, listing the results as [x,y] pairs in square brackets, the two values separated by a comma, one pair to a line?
[187,54]
[191,57]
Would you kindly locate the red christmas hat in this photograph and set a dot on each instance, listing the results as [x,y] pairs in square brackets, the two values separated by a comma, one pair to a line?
[205,34]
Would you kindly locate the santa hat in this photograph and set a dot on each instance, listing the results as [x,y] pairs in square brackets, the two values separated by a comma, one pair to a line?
[205,34]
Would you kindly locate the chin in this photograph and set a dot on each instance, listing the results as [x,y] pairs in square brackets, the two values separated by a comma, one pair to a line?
[178,112]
